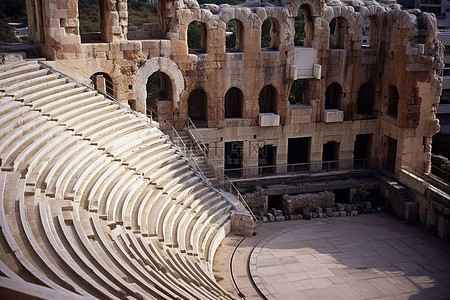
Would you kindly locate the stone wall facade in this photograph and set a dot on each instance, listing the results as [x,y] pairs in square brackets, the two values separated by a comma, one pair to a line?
[406,56]
[396,77]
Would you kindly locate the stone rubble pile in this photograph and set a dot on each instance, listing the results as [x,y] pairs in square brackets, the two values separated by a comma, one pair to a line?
[339,210]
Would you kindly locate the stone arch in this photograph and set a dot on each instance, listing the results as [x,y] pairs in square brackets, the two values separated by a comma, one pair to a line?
[203,16]
[196,37]
[148,68]
[234,103]
[307,28]
[267,99]
[270,34]
[242,14]
[103,83]
[349,19]
[93,66]
[198,105]
[372,13]
[333,96]
[316,7]
[366,98]
[234,41]
[393,100]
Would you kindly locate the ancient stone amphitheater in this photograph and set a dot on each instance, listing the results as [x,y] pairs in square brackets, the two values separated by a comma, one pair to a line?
[96,201]
[94,210]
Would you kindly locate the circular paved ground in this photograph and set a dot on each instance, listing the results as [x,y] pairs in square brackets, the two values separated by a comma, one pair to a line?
[364,257]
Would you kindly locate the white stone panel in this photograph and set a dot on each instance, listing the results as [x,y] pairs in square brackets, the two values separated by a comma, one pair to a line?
[269,119]
[333,116]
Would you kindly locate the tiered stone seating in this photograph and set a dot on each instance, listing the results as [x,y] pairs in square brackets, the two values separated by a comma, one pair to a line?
[94,202]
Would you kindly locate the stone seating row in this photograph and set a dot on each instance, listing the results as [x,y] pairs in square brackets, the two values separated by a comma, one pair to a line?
[64,258]
[99,196]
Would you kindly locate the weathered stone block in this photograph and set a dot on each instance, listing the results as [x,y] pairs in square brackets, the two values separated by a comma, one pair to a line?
[279,218]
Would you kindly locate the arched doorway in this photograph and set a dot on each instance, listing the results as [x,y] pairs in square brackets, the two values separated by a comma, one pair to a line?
[159,93]
[172,77]
[333,96]
[197,107]
[103,83]
[233,103]
[267,99]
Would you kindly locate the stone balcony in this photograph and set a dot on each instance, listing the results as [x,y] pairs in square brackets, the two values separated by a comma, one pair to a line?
[304,66]
[333,116]
[268,119]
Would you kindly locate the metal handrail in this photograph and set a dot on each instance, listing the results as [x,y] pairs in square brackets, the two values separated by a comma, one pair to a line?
[285,169]
[184,149]
[226,182]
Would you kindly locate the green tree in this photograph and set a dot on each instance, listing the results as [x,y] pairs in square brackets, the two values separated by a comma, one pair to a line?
[265,33]
[299,26]
[297,92]
[194,35]
[230,39]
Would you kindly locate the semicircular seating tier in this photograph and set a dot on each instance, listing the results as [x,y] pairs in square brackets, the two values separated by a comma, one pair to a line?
[95,202]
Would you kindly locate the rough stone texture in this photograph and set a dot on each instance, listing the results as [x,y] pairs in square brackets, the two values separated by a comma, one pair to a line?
[407,56]
[404,55]
[279,218]
[242,223]
[292,204]
[329,211]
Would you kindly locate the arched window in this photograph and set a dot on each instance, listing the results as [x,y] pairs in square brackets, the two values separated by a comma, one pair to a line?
[103,83]
[338,33]
[304,27]
[297,94]
[267,99]
[366,99]
[365,33]
[234,36]
[197,106]
[159,88]
[196,37]
[370,32]
[233,103]
[269,34]
[333,96]
[393,99]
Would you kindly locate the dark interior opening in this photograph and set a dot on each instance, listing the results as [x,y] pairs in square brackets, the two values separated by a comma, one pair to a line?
[342,195]
[233,103]
[391,154]
[197,107]
[233,158]
[330,156]
[267,98]
[361,150]
[366,99]
[275,201]
[333,95]
[298,154]
[266,159]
